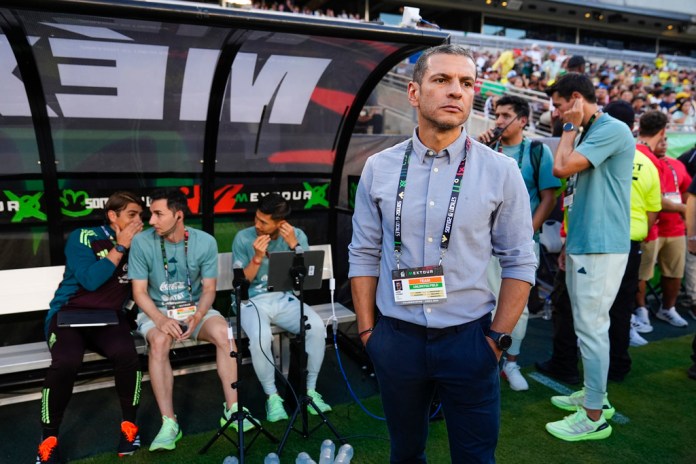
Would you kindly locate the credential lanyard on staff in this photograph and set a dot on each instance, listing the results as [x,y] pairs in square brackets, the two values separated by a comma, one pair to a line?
[449,219]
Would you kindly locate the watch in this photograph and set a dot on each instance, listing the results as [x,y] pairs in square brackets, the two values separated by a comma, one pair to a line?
[120,248]
[502,340]
[569,127]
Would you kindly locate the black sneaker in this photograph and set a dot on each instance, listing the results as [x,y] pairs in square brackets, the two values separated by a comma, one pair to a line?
[48,452]
[130,439]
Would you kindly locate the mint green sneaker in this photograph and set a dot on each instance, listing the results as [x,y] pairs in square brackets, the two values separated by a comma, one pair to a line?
[168,435]
[578,426]
[227,413]
[274,409]
[576,400]
[317,399]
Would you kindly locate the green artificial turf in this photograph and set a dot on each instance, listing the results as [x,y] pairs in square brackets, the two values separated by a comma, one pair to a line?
[656,405]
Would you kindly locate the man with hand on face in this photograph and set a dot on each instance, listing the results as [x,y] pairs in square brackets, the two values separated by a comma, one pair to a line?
[535,161]
[436,334]
[596,154]
[250,248]
[174,272]
[95,278]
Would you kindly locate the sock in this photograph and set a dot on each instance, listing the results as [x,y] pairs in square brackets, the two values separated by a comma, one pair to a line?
[48,432]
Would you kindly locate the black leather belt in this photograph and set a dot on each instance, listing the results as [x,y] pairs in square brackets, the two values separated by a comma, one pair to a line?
[430,332]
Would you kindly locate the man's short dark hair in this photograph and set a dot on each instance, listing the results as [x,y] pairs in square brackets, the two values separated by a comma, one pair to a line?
[275,205]
[573,82]
[176,200]
[447,49]
[519,105]
[118,201]
[651,123]
[623,111]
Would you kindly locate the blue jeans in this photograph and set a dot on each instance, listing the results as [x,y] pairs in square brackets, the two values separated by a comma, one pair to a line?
[412,362]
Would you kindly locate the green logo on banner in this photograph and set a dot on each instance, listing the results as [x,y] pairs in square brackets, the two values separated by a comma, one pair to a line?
[318,195]
[29,206]
[74,203]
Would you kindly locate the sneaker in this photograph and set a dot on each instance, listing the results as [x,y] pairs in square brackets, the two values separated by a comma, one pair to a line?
[511,372]
[274,409]
[168,435]
[48,452]
[227,413]
[634,338]
[130,439]
[639,326]
[578,427]
[318,401]
[643,315]
[575,401]
[672,316]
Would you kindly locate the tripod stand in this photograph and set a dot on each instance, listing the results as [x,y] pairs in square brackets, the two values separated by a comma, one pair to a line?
[298,271]
[241,292]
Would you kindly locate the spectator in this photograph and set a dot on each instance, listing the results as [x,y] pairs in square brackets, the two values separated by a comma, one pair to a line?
[576,64]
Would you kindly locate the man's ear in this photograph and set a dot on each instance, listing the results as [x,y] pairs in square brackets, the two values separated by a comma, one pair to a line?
[111,214]
[413,93]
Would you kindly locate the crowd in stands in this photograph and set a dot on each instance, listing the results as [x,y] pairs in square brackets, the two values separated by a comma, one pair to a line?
[661,86]
[289,6]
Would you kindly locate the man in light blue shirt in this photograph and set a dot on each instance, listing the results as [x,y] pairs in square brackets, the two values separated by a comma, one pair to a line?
[429,214]
[596,154]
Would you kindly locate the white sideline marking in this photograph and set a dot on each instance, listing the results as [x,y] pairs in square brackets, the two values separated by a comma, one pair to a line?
[563,390]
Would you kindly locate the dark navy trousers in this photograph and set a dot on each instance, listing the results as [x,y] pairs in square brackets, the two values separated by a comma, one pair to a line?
[413,362]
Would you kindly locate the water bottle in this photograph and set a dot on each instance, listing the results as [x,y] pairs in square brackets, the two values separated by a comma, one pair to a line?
[304,458]
[272,458]
[344,455]
[326,455]
[548,307]
[231,460]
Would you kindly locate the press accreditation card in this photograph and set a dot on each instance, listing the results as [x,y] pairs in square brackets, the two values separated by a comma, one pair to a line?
[181,311]
[419,285]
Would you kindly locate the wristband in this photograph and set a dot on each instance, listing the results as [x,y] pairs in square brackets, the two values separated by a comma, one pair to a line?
[256,260]
[366,331]
[691,238]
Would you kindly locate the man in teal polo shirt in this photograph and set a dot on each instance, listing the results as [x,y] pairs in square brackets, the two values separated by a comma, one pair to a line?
[596,154]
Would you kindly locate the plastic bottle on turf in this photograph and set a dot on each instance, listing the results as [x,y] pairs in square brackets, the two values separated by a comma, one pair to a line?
[326,455]
[272,458]
[231,460]
[344,455]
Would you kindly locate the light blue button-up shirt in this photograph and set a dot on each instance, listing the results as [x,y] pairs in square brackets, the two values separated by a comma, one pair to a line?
[492,218]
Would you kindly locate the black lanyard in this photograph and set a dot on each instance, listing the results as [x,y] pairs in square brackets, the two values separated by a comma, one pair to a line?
[165,261]
[400,191]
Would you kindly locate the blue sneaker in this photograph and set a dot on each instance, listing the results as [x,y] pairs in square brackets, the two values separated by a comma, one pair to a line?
[168,435]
